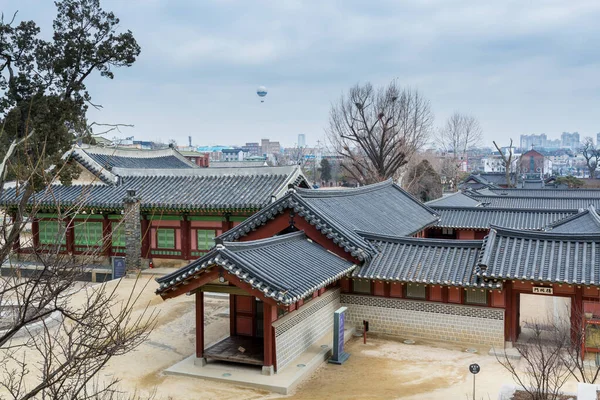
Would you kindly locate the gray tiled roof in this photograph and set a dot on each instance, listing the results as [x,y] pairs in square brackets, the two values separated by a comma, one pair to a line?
[429,261]
[383,208]
[480,180]
[99,158]
[182,190]
[541,256]
[587,221]
[566,203]
[286,268]
[457,199]
[556,193]
[341,214]
[531,184]
[238,164]
[483,217]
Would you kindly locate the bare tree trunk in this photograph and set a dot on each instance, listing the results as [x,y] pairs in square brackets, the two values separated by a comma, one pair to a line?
[507,162]
[377,131]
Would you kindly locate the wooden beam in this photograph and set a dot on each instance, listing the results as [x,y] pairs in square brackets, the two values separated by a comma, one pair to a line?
[203,279]
[216,288]
[194,285]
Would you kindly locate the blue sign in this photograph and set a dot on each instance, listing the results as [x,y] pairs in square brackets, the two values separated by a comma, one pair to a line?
[339,356]
[340,332]
[118,267]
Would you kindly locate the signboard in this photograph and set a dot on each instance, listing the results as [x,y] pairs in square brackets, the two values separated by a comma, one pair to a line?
[118,264]
[542,290]
[339,356]
[340,333]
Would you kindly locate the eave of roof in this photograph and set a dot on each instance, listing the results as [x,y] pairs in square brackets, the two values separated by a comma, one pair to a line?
[483,217]
[233,257]
[424,260]
[567,258]
[350,243]
[179,192]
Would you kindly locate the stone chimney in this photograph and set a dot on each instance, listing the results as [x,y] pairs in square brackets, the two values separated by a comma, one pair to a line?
[133,231]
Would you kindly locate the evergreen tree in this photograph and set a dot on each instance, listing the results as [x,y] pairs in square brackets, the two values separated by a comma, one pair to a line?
[43,93]
[325,170]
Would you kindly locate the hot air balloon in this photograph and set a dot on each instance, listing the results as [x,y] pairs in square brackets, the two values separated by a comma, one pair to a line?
[261,92]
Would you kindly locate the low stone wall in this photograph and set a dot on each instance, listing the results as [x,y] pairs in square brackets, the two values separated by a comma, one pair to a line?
[27,271]
[297,331]
[429,320]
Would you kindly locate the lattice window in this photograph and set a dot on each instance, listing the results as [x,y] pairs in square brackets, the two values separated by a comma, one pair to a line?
[88,234]
[476,296]
[118,234]
[52,232]
[416,291]
[205,239]
[165,238]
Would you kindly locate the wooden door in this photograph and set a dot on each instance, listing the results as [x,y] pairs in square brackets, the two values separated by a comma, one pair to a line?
[245,313]
[259,318]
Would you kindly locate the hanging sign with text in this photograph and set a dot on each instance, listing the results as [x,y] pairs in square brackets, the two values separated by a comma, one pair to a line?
[542,290]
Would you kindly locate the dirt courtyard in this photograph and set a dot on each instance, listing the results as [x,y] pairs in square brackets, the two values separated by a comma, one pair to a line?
[384,368]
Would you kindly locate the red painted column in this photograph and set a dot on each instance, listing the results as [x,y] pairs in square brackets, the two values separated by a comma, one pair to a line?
[185,238]
[145,237]
[70,235]
[199,324]
[17,242]
[576,311]
[510,313]
[35,233]
[270,315]
[106,236]
[231,314]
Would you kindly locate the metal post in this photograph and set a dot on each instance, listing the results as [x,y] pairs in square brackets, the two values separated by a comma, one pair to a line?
[473,386]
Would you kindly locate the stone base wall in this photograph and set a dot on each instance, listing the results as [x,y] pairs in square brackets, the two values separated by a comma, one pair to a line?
[166,263]
[426,319]
[297,331]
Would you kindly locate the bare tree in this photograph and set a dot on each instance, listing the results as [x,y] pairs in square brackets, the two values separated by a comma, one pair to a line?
[462,132]
[57,334]
[376,131]
[543,373]
[507,162]
[552,352]
[591,154]
[296,155]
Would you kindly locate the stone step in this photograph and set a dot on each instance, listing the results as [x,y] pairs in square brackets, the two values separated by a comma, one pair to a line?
[510,353]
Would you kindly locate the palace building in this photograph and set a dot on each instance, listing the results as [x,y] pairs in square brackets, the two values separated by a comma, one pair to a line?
[181,209]
[290,265]
[455,269]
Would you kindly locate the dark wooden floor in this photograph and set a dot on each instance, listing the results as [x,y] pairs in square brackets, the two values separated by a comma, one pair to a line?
[229,350]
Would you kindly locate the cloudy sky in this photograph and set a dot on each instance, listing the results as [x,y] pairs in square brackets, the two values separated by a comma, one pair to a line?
[524,66]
